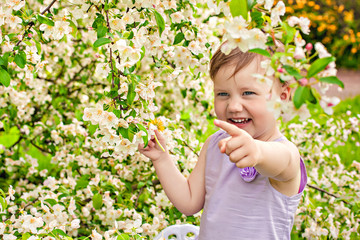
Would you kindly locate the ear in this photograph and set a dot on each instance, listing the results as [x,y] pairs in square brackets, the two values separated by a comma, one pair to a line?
[285,94]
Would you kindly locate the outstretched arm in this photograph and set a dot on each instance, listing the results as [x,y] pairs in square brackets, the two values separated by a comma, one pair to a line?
[277,160]
[187,195]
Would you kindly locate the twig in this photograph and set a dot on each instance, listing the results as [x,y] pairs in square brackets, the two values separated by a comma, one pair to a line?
[186,144]
[326,192]
[79,72]
[137,199]
[154,183]
[31,24]
[40,148]
[30,203]
[48,7]
[20,138]
[111,62]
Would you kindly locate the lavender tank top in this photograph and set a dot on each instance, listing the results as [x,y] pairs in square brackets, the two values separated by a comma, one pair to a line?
[240,208]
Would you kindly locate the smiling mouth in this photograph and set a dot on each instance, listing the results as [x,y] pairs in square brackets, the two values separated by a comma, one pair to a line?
[240,120]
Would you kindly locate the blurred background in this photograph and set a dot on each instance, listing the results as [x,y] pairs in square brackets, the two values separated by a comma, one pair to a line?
[335,23]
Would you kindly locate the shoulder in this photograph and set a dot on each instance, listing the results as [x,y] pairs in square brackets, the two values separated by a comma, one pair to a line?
[212,141]
[217,136]
[291,147]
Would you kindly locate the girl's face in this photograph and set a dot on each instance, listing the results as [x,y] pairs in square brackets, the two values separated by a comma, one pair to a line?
[241,100]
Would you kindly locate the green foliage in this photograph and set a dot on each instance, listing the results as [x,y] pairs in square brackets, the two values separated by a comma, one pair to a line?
[334,23]
[239,8]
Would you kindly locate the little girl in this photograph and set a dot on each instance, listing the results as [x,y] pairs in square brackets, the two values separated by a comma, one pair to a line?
[249,178]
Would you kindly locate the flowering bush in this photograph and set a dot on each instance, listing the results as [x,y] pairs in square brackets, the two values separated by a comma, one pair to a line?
[84,82]
[334,23]
[330,207]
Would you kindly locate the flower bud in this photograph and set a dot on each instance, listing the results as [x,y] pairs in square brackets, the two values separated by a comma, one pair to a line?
[281,70]
[303,81]
[309,47]
[30,35]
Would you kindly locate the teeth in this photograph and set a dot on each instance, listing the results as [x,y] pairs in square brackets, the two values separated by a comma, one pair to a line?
[240,120]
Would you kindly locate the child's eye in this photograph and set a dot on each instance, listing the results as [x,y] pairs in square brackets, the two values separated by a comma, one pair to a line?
[223,94]
[248,93]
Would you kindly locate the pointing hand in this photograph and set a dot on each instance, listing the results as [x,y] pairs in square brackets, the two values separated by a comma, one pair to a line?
[241,148]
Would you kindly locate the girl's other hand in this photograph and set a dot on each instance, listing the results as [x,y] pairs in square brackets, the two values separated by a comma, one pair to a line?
[153,150]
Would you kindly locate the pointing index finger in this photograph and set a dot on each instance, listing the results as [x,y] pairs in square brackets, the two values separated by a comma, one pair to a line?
[229,128]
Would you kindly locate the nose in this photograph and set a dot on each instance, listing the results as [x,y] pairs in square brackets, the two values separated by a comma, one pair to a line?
[235,105]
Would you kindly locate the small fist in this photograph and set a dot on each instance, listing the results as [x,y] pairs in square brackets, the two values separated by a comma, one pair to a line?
[241,148]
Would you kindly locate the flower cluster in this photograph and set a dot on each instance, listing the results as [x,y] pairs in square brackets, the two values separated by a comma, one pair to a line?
[83,83]
[333,169]
[289,57]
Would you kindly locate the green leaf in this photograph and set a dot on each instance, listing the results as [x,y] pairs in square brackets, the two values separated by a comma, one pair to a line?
[333,80]
[83,182]
[2,61]
[2,193]
[20,59]
[257,17]
[3,203]
[97,201]
[101,41]
[25,236]
[251,4]
[145,138]
[4,77]
[260,51]
[38,46]
[123,236]
[45,20]
[124,132]
[101,31]
[141,184]
[303,94]
[131,93]
[293,71]
[51,201]
[239,8]
[59,232]
[290,33]
[178,38]
[319,65]
[160,22]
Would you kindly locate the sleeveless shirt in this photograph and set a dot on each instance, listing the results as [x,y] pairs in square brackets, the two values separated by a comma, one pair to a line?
[236,209]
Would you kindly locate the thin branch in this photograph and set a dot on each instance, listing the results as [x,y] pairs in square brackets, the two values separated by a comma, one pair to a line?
[46,79]
[111,58]
[154,183]
[170,63]
[17,142]
[30,203]
[326,192]
[79,72]
[40,148]
[48,7]
[187,145]
[31,24]
[137,199]
[80,88]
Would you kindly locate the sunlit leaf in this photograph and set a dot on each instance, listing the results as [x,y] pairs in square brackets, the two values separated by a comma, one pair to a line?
[333,80]
[4,77]
[101,41]
[239,8]
[160,22]
[319,65]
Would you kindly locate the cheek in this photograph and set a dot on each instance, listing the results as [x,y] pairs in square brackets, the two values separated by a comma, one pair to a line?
[219,108]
